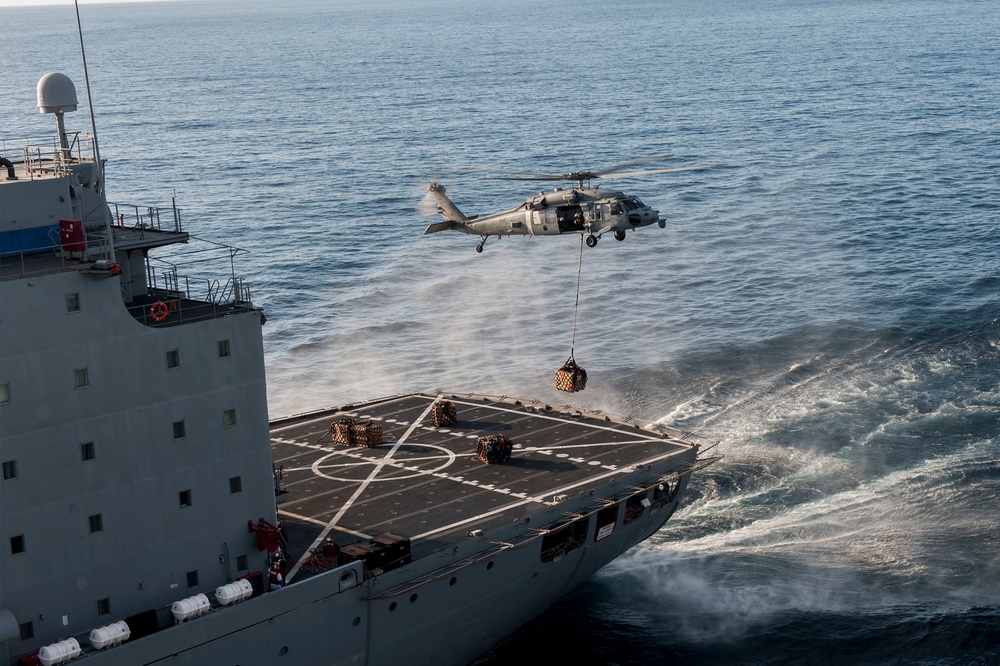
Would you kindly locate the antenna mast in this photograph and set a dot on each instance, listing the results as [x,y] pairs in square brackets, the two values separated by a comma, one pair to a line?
[101,190]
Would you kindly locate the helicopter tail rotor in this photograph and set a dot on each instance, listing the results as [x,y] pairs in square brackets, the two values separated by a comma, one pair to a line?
[449,211]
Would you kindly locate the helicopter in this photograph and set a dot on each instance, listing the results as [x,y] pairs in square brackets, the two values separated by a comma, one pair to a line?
[588,210]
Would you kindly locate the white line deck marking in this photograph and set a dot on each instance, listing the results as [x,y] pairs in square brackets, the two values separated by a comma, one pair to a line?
[540,498]
[357,493]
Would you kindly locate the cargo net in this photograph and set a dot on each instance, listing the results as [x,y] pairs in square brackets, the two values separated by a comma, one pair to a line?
[351,432]
[493,449]
[445,413]
[571,377]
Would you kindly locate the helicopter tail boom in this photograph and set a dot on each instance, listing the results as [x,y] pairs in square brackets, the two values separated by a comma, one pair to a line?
[448,210]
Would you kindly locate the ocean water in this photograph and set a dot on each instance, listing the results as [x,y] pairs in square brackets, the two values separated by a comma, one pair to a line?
[824,302]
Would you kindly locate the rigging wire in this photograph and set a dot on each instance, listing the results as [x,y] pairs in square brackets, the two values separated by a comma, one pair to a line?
[576,307]
[102,190]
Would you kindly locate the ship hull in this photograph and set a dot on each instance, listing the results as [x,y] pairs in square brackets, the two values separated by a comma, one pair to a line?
[316,622]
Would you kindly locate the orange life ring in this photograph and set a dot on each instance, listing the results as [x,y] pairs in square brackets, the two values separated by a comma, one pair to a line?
[158,311]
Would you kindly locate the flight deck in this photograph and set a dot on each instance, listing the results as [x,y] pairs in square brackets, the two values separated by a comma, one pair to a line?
[428,485]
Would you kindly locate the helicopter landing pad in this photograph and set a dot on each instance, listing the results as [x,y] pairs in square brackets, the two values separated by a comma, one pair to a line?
[428,484]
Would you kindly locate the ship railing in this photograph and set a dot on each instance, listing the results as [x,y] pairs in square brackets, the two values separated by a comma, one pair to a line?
[34,261]
[192,297]
[171,284]
[163,272]
[45,156]
[142,217]
[51,258]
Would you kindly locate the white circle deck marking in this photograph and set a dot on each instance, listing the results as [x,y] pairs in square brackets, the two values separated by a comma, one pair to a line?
[391,464]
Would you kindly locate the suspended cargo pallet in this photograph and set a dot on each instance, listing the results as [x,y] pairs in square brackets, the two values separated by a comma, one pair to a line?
[571,377]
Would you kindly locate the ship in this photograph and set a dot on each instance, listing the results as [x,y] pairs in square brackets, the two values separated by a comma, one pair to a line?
[153,514]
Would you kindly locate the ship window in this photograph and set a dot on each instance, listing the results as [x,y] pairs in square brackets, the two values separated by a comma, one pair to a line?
[242,564]
[9,469]
[87,452]
[236,485]
[229,418]
[96,523]
[4,394]
[185,498]
[173,359]
[72,302]
[192,578]
[17,544]
[104,606]
[81,377]
[223,347]
[27,631]
[179,430]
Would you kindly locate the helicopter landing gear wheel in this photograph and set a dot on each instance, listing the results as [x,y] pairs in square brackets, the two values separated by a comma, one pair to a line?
[619,234]
[591,240]
[479,248]
[662,224]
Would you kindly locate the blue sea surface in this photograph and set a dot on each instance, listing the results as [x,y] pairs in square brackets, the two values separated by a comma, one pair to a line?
[824,301]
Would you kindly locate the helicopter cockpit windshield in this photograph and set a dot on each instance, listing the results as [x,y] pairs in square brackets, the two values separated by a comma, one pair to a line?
[624,206]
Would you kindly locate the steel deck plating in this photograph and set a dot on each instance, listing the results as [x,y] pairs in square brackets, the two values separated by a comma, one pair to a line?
[427,483]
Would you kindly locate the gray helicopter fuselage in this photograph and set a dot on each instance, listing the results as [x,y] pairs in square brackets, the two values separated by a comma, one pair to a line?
[587,210]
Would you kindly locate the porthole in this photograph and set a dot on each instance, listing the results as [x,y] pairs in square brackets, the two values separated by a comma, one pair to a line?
[356,622]
[392,606]
[452,581]
[489,565]
[413,597]
[283,651]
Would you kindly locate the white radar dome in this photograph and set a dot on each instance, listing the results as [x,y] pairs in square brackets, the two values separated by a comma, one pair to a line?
[56,93]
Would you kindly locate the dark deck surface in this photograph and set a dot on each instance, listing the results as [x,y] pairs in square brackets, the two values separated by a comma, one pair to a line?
[427,483]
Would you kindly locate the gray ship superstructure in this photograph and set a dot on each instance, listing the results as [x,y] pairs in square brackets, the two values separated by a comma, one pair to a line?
[151,514]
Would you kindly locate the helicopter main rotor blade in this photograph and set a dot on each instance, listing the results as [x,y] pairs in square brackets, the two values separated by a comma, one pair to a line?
[633,163]
[650,171]
[541,176]
[607,173]
[524,175]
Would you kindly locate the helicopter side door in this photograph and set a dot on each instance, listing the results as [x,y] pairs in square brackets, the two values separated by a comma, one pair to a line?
[570,219]
[541,222]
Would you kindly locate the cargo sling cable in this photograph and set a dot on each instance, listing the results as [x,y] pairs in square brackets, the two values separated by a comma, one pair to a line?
[576,306]
[571,377]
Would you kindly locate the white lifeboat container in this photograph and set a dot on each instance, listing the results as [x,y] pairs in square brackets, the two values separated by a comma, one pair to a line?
[59,653]
[110,634]
[233,592]
[192,607]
